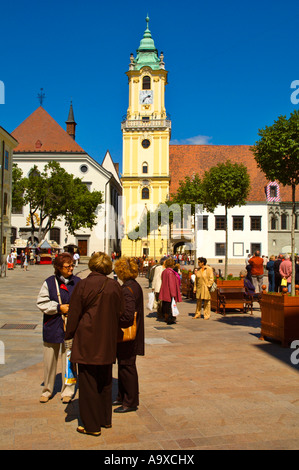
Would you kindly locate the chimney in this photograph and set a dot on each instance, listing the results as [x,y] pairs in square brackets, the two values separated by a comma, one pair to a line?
[70,123]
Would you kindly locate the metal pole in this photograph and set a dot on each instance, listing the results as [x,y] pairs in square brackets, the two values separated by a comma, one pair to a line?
[2,258]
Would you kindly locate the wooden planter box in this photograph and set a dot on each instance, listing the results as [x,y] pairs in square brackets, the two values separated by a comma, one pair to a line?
[187,288]
[280,317]
[224,284]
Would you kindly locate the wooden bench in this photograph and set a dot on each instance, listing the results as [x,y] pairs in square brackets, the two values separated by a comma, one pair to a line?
[230,298]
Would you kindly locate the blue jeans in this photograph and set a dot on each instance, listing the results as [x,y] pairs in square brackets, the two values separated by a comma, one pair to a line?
[271,279]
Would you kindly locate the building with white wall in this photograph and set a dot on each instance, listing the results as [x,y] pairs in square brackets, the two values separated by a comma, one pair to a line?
[41,139]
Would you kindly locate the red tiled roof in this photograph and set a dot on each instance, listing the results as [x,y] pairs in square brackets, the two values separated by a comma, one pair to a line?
[185,160]
[40,133]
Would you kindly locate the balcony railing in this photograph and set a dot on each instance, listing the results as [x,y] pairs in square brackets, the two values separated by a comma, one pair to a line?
[136,124]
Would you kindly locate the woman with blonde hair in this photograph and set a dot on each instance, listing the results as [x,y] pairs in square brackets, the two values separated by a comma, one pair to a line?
[91,333]
[128,387]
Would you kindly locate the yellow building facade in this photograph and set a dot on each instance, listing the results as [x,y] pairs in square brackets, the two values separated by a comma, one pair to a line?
[146,135]
[7,144]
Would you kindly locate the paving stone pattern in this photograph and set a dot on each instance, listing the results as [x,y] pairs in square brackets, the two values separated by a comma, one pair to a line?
[203,384]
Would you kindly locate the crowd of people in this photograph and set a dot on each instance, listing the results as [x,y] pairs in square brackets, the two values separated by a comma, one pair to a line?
[278,268]
[85,316]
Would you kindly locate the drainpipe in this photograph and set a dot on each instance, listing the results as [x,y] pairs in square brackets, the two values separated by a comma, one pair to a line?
[2,260]
[106,218]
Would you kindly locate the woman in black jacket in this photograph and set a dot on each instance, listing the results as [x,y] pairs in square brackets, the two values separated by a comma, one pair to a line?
[128,388]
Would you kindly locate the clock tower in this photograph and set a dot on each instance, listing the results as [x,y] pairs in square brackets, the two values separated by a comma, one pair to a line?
[146,133]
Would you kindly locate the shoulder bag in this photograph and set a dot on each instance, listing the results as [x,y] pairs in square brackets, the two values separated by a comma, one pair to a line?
[128,334]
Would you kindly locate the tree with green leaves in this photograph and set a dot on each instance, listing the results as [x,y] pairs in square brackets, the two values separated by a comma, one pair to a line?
[53,194]
[277,154]
[226,184]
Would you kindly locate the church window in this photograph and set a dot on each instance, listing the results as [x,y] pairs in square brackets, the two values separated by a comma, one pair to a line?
[146,83]
[145,193]
[144,167]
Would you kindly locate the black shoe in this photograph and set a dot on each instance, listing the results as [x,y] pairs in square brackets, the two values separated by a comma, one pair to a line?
[125,409]
[116,403]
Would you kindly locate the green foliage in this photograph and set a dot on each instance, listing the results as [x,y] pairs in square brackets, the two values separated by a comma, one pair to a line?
[189,192]
[53,194]
[277,151]
[227,184]
[17,187]
[277,154]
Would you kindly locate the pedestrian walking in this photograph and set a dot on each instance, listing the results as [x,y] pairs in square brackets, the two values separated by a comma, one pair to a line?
[277,276]
[53,300]
[285,270]
[170,289]
[271,274]
[156,287]
[128,386]
[257,271]
[95,308]
[203,282]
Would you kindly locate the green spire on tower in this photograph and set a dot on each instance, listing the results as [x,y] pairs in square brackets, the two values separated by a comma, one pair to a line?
[147,54]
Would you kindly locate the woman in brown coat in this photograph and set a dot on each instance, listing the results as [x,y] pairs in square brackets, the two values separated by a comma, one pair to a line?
[203,283]
[128,389]
[94,312]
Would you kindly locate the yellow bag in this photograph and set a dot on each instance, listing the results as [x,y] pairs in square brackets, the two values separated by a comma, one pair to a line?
[128,334]
[284,283]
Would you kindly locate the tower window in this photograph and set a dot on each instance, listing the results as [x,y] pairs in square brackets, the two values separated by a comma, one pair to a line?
[145,193]
[146,83]
[145,143]
[144,167]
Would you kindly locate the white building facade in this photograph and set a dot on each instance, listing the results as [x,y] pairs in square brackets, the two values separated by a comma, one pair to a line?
[247,232]
[42,140]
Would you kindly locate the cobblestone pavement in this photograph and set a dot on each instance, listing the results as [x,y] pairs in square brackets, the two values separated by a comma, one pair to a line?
[203,384]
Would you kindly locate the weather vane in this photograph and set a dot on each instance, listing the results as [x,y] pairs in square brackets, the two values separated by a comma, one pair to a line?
[41,96]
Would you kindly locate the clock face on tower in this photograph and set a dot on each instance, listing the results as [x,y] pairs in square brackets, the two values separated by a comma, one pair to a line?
[146,97]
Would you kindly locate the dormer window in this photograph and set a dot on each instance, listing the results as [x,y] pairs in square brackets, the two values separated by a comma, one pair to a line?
[272,192]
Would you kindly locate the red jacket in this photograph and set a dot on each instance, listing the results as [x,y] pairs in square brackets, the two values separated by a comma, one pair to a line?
[170,286]
[257,267]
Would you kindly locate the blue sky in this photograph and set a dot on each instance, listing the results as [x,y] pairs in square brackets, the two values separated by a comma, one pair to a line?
[231,65]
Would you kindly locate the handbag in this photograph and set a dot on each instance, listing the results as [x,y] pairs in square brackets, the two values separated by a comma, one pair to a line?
[151,300]
[174,309]
[129,333]
[213,287]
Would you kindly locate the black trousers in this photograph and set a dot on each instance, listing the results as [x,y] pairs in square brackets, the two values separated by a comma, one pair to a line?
[95,396]
[167,312]
[128,387]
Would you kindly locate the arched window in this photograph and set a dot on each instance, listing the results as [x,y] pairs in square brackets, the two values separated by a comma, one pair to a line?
[284,222]
[274,222]
[145,193]
[144,167]
[146,83]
